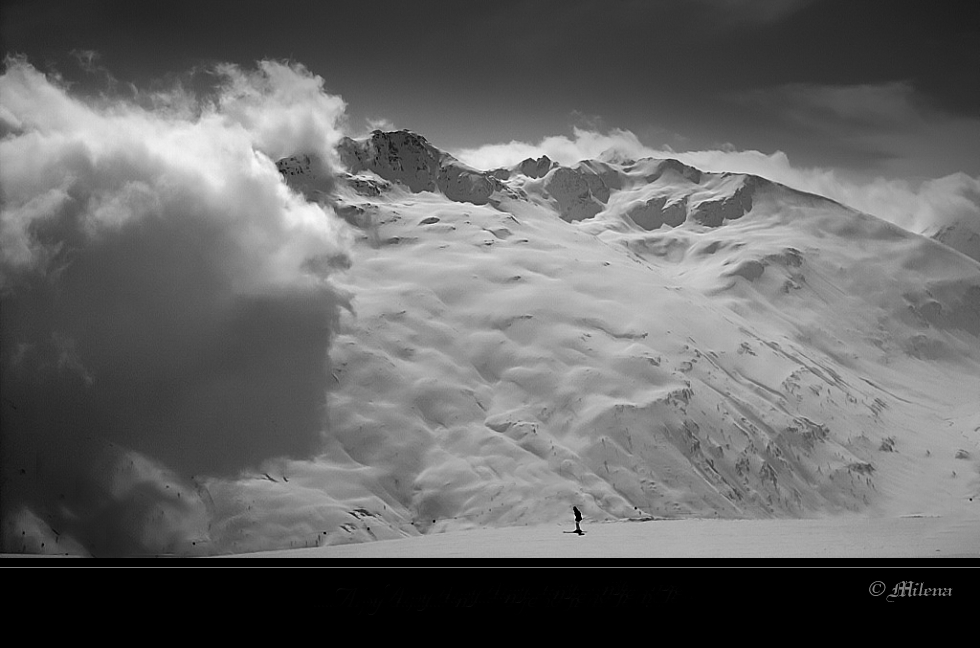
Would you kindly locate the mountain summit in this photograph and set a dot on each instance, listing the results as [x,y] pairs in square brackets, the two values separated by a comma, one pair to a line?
[407,158]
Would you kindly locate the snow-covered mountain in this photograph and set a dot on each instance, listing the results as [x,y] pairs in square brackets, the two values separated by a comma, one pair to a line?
[637,338]
[634,337]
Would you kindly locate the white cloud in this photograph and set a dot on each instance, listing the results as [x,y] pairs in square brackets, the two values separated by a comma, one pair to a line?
[161,314]
[587,144]
[283,108]
[380,123]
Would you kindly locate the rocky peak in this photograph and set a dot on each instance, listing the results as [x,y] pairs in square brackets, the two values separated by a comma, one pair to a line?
[407,158]
[536,168]
[306,174]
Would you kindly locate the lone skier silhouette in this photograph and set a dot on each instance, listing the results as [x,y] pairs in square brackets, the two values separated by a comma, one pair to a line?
[578,519]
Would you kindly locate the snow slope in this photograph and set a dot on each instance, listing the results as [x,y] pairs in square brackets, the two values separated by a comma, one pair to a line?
[636,338]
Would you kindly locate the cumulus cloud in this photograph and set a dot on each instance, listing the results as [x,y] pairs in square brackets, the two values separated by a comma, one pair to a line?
[166,309]
[924,207]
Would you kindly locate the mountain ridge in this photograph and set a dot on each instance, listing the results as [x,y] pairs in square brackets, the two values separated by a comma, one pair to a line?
[581,190]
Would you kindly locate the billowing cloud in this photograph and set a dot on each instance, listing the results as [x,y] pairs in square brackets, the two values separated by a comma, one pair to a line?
[283,108]
[924,207]
[166,309]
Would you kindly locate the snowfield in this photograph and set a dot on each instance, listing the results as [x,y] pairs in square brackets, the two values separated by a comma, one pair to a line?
[945,536]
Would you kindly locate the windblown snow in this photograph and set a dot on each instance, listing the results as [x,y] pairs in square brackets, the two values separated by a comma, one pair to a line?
[636,338]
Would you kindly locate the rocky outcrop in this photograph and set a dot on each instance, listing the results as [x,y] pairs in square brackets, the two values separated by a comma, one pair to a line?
[654,213]
[671,166]
[582,191]
[571,190]
[714,213]
[408,159]
[536,168]
[307,175]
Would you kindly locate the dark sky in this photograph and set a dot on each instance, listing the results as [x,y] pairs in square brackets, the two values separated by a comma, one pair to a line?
[884,87]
